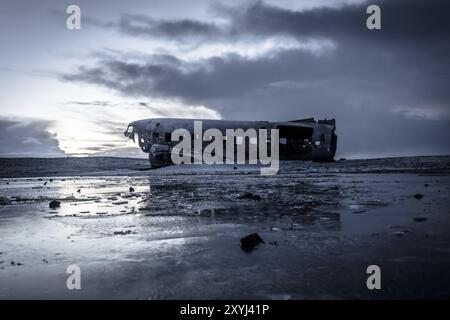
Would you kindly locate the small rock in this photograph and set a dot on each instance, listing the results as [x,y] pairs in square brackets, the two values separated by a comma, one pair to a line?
[399,233]
[426,185]
[249,242]
[123,232]
[131,189]
[54,204]
[3,201]
[79,190]
[249,195]
[418,196]
[420,219]
[119,202]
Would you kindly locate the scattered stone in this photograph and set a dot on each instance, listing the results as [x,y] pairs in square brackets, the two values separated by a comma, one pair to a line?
[249,242]
[120,202]
[203,212]
[123,232]
[274,229]
[131,189]
[54,204]
[273,243]
[426,185]
[101,213]
[342,159]
[418,196]
[399,233]
[45,183]
[420,219]
[51,180]
[44,260]
[234,168]
[3,201]
[79,190]
[249,195]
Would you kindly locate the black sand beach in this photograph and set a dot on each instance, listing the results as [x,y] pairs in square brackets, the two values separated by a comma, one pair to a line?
[176,233]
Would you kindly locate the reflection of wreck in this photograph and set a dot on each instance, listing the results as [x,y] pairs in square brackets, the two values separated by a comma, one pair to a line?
[304,139]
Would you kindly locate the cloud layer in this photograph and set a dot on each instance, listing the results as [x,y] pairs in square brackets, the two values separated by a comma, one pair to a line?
[25,137]
[388,89]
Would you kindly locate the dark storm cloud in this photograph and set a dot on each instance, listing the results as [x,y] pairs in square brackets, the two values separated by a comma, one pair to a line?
[219,77]
[233,75]
[27,137]
[400,19]
[138,25]
[389,87]
[403,19]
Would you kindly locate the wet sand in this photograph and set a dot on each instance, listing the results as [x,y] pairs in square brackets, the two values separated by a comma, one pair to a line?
[177,234]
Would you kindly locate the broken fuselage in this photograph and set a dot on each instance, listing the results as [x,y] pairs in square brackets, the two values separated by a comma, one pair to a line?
[304,139]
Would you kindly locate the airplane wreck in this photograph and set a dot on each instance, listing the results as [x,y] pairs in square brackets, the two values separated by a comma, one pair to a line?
[305,139]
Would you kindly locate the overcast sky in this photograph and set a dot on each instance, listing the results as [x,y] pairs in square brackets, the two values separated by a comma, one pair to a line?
[74,91]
